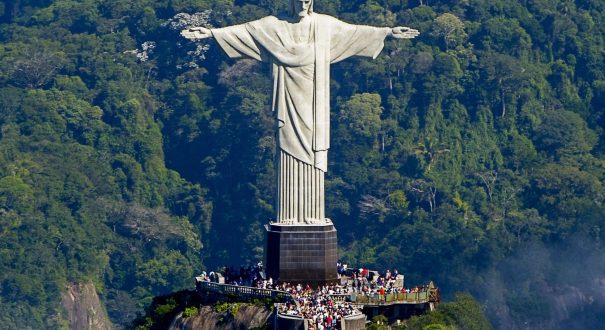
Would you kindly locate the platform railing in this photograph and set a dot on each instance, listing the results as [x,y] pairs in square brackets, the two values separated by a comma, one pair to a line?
[390,298]
[237,290]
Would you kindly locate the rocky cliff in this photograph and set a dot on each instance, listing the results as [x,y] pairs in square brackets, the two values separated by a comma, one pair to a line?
[84,309]
[245,316]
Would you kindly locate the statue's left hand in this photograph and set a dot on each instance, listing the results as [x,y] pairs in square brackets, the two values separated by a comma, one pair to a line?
[403,32]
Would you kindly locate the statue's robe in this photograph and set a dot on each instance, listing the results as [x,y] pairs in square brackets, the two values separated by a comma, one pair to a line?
[301,97]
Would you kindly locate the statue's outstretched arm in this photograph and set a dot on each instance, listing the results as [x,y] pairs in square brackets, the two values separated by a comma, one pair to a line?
[403,32]
[196,33]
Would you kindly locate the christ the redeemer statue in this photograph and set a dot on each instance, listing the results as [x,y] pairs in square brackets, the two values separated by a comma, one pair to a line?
[301,48]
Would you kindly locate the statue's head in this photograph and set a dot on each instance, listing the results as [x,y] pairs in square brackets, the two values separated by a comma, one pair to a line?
[301,8]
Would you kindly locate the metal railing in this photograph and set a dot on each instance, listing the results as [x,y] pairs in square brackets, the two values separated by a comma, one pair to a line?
[244,291]
[390,298]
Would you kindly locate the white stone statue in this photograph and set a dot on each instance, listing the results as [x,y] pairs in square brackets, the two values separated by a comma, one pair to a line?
[301,48]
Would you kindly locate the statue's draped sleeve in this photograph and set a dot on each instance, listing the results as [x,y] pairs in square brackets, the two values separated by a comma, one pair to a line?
[355,40]
[237,42]
[264,40]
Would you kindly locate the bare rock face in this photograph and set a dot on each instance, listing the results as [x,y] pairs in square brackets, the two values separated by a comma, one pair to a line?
[247,317]
[84,309]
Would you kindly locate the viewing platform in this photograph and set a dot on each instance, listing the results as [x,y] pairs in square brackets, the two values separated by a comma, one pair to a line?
[421,296]
[430,295]
[290,306]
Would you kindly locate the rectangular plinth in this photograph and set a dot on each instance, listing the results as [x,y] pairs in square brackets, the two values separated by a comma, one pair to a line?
[301,253]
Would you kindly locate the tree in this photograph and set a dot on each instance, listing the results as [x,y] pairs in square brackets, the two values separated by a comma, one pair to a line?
[505,36]
[425,191]
[562,133]
[450,29]
[431,151]
[361,115]
[505,73]
[489,179]
[36,67]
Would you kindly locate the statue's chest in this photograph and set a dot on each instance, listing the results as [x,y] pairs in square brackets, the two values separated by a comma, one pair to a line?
[300,33]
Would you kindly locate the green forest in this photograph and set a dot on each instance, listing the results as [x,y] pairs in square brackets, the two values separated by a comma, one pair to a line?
[472,155]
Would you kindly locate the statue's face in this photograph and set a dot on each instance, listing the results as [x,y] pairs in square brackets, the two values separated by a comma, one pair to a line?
[302,7]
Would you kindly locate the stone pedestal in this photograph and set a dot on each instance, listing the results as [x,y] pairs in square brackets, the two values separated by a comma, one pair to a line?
[301,253]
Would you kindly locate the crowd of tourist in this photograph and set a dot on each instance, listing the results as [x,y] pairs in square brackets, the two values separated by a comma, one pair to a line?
[319,305]
[358,280]
[364,281]
[244,276]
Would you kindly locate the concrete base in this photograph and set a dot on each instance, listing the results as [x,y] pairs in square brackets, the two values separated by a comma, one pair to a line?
[303,254]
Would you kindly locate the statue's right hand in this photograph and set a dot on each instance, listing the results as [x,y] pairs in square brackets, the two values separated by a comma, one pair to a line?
[195,33]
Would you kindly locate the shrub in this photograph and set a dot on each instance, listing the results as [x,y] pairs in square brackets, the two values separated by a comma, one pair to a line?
[190,311]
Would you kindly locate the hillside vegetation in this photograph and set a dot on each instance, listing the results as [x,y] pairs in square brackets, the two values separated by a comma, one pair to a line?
[473,155]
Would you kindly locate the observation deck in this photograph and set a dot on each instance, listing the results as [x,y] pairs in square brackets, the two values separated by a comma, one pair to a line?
[394,305]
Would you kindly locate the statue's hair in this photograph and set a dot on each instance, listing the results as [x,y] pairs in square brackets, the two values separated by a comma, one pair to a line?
[293,11]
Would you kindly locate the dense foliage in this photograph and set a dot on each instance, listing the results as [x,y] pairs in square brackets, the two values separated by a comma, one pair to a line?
[84,190]
[473,155]
[461,313]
